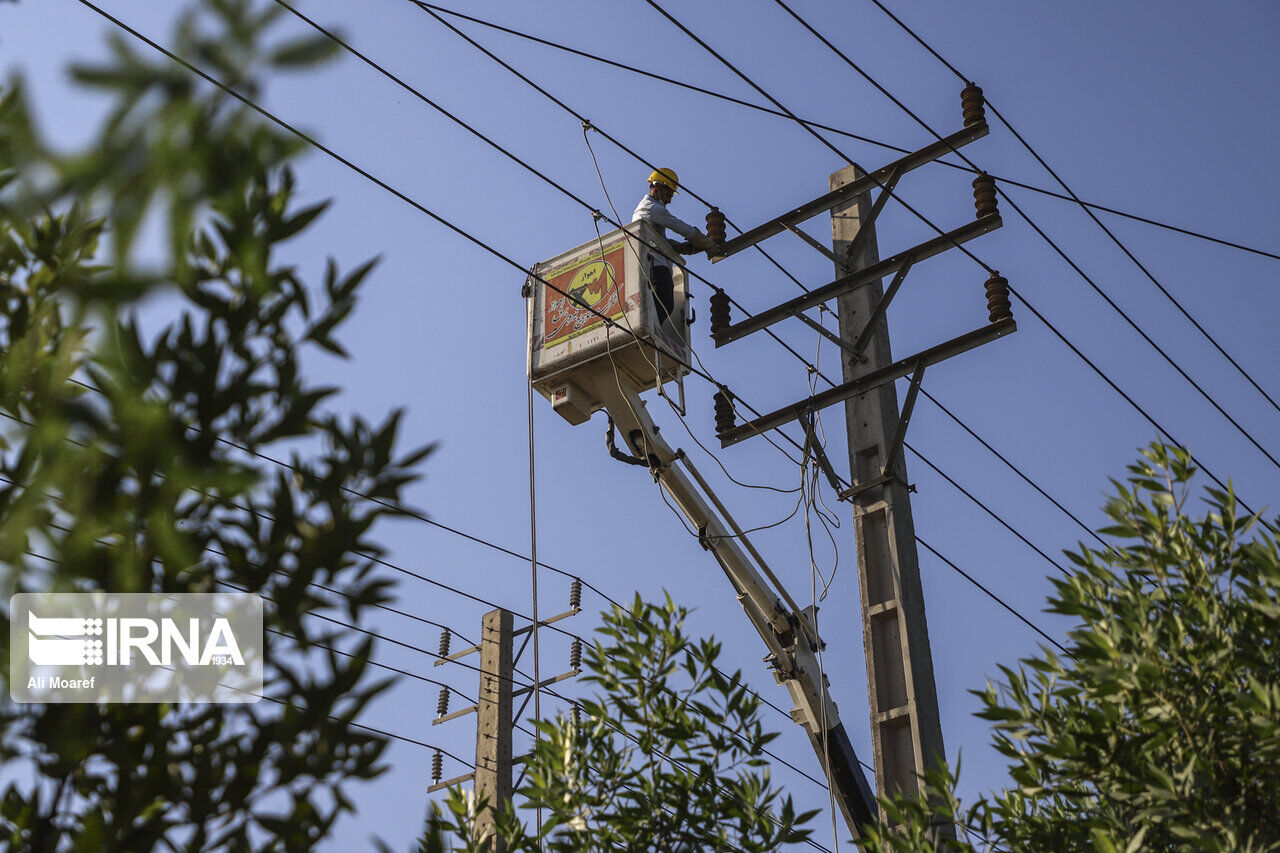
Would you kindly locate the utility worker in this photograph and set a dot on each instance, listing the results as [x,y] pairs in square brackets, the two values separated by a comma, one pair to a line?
[663,184]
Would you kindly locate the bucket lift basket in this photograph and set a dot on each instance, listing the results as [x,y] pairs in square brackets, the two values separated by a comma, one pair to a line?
[571,346]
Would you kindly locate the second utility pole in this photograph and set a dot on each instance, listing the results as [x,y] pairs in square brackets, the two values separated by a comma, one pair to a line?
[905,727]
[493,721]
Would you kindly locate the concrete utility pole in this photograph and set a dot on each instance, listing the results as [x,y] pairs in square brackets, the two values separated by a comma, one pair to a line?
[906,730]
[493,719]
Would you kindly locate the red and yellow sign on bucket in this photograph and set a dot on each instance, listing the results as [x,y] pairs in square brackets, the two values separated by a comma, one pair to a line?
[590,287]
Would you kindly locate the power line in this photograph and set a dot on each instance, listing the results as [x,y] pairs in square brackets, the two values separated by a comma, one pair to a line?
[846,133]
[429,8]
[595,212]
[587,125]
[1089,280]
[1020,298]
[280,122]
[417,649]
[997,599]
[946,411]
[612,324]
[1071,195]
[480,670]
[352,723]
[346,162]
[826,142]
[986,508]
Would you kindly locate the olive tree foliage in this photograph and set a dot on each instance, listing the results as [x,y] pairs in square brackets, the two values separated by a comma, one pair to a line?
[1160,727]
[137,461]
[669,755]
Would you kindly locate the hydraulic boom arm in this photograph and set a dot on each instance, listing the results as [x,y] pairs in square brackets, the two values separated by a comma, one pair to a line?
[785,628]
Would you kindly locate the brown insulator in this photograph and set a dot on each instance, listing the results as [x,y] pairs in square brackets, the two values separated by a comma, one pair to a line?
[577,717]
[724,410]
[444,643]
[575,654]
[719,312]
[575,594]
[984,194]
[715,225]
[442,704]
[998,307]
[971,106]
[437,766]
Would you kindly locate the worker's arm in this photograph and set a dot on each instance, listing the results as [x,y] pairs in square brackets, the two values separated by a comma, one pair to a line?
[653,211]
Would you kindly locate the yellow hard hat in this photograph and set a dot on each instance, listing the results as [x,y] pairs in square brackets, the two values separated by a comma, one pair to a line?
[666,177]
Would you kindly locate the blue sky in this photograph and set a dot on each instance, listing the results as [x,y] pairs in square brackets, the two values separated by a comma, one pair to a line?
[1162,109]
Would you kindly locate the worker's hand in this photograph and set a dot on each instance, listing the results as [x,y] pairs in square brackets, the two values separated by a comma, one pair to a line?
[703,242]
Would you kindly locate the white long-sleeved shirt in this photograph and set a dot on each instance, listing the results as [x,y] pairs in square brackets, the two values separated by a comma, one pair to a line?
[653,211]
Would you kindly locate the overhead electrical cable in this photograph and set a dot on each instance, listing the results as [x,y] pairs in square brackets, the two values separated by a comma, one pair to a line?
[878,143]
[429,8]
[419,650]
[507,66]
[471,238]
[586,125]
[273,118]
[991,594]
[1086,208]
[1012,290]
[1032,483]
[344,721]
[818,136]
[987,509]
[1089,280]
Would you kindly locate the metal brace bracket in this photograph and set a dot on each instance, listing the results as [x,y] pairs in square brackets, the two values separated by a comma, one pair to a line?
[811,442]
[887,473]
[449,783]
[900,432]
[462,712]
[811,241]
[877,313]
[854,491]
[864,227]
[456,655]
